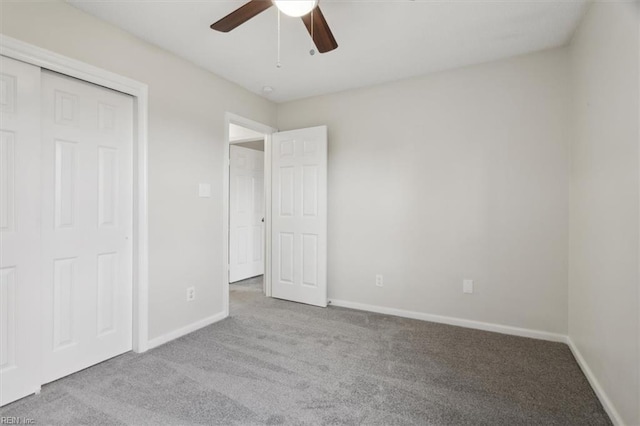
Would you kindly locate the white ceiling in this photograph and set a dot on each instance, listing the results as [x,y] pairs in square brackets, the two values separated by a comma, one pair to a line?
[379,41]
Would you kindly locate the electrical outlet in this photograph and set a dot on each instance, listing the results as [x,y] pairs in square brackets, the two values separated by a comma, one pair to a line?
[379,281]
[191,294]
[467,286]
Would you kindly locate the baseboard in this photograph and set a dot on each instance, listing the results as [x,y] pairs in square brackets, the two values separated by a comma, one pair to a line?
[172,335]
[478,325]
[595,385]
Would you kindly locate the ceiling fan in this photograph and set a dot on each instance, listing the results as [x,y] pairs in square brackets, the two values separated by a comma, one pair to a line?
[315,22]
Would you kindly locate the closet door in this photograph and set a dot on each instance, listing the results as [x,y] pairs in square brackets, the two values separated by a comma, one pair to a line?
[86,224]
[19,229]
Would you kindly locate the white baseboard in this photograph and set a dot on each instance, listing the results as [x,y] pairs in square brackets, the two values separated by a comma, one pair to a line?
[172,335]
[595,384]
[478,325]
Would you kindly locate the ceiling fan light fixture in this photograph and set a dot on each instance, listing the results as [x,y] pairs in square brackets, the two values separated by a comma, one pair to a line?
[295,8]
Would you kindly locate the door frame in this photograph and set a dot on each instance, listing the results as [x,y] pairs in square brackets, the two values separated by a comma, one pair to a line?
[231,118]
[47,59]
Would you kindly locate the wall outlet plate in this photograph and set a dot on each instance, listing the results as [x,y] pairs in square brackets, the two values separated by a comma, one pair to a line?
[379,280]
[467,286]
[191,294]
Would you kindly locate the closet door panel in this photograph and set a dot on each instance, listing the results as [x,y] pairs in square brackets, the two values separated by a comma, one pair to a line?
[20,192]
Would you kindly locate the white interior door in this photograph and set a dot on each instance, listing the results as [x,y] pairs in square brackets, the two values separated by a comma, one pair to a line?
[19,229]
[299,216]
[86,224]
[246,213]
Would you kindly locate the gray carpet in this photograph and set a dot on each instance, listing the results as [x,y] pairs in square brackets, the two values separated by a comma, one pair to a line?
[276,362]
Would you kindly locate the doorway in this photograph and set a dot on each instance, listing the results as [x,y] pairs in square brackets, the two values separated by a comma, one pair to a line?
[295,210]
[246,204]
[247,178]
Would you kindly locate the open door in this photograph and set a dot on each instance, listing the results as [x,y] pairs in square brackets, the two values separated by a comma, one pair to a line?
[299,216]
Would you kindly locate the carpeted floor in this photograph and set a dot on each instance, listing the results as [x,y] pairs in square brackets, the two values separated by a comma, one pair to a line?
[276,362]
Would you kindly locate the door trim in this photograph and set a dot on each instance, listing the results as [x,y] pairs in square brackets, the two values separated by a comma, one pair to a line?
[47,59]
[230,118]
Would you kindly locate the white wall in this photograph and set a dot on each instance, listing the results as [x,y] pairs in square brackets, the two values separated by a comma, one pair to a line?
[461,174]
[605,214]
[186,145]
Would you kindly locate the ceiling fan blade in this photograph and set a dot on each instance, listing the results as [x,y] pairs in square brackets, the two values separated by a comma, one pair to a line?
[322,36]
[241,15]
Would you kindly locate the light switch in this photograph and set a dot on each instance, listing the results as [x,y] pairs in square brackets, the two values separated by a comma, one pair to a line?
[467,286]
[204,190]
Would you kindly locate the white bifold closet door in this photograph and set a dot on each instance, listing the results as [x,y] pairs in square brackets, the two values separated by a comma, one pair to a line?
[299,216]
[246,213]
[86,224]
[19,229]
